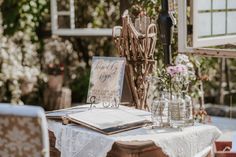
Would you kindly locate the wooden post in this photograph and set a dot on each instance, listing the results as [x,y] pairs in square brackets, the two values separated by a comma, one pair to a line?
[222,80]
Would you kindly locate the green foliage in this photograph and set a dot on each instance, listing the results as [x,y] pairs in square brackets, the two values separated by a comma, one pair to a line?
[80,84]
[152,7]
[20,67]
[23,15]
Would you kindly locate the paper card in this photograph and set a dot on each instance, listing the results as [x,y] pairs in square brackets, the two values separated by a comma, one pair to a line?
[234,143]
[106,79]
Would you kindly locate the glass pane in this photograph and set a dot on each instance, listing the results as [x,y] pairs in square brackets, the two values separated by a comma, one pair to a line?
[232,4]
[63,5]
[218,23]
[63,22]
[219,4]
[204,4]
[204,24]
[231,22]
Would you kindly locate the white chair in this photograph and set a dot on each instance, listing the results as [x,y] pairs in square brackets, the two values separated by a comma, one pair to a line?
[23,131]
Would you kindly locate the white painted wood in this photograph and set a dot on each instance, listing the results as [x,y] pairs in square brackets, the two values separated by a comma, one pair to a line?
[195,23]
[191,13]
[63,13]
[72,14]
[54,16]
[84,32]
[218,27]
[182,26]
[72,30]
[221,40]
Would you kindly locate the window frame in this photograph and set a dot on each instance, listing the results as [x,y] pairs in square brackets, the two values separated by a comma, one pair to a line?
[183,47]
[212,40]
[72,31]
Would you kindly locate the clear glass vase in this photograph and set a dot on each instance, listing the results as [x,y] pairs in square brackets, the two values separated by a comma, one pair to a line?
[189,110]
[160,111]
[178,111]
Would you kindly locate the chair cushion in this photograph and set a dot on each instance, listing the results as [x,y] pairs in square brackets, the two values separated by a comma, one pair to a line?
[20,137]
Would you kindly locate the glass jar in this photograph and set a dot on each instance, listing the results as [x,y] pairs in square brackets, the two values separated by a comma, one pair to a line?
[160,111]
[189,110]
[178,111]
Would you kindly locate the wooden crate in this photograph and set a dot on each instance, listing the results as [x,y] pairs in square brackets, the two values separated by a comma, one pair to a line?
[220,146]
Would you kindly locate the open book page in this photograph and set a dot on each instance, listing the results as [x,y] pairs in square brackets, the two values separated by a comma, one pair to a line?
[102,119]
[81,108]
[64,112]
[109,120]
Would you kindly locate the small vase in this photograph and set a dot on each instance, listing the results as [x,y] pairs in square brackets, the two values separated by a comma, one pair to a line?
[189,110]
[160,111]
[177,111]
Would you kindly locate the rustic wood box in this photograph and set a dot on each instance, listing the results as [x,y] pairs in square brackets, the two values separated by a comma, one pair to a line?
[219,149]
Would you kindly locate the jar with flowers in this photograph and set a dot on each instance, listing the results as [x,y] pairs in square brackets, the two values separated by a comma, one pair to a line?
[181,107]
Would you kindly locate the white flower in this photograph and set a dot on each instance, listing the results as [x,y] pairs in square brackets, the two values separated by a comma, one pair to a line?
[181,59]
[15,67]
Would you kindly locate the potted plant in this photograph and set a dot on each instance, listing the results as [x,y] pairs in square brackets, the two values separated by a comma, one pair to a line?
[55,76]
[62,65]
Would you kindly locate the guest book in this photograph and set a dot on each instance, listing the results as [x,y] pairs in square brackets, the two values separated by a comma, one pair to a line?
[104,120]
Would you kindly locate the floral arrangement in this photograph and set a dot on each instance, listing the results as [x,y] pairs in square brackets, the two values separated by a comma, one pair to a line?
[179,69]
[59,58]
[178,76]
[18,64]
[181,74]
[201,115]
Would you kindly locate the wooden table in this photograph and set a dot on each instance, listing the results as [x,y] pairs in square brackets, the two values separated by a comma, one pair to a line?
[77,140]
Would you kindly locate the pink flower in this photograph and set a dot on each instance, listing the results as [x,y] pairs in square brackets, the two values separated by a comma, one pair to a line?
[178,69]
[171,70]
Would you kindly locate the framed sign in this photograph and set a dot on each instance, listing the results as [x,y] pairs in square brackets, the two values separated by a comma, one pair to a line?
[106,79]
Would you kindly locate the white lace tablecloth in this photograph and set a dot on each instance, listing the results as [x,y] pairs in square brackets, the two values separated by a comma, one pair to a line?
[76,141]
